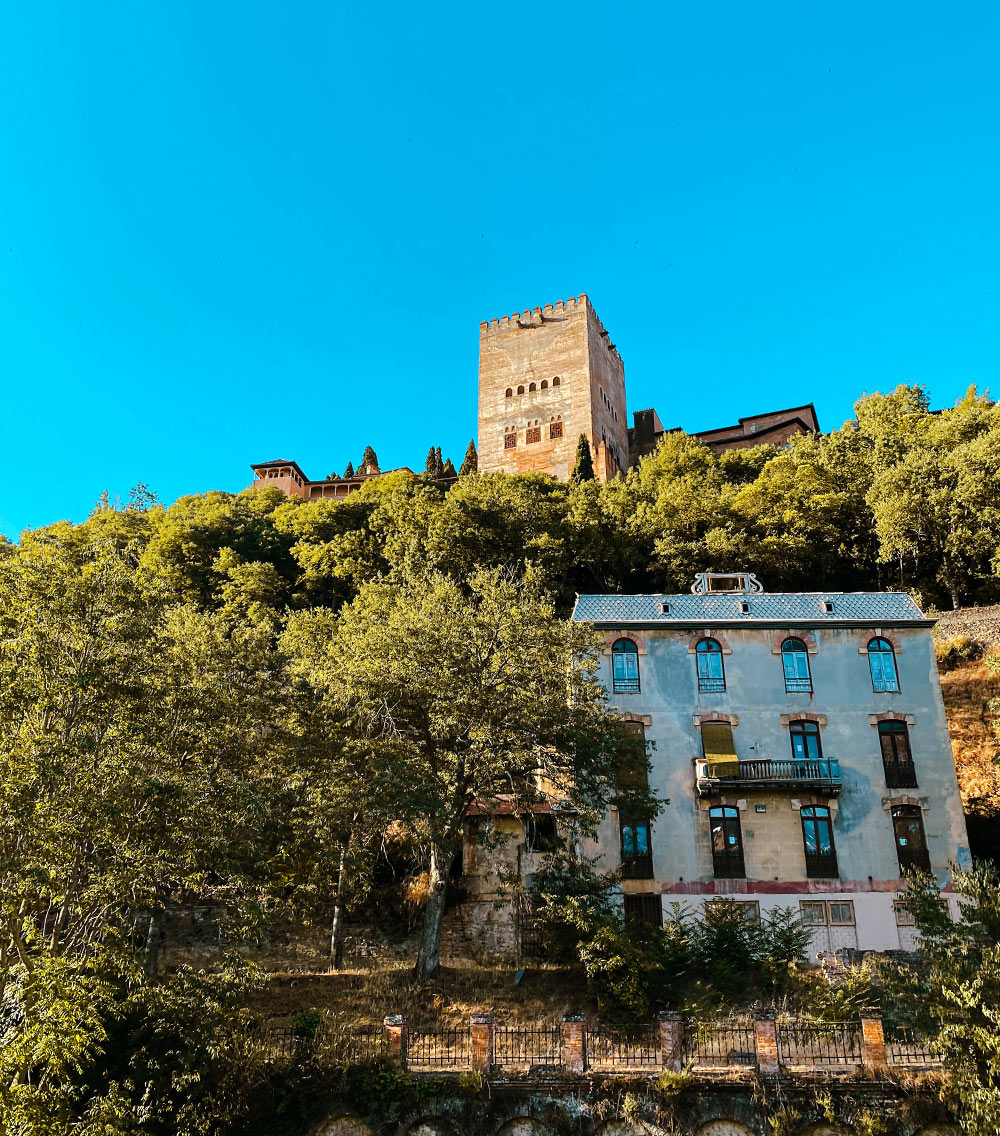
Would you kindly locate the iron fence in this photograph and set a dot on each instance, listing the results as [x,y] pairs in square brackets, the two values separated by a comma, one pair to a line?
[527,1045]
[634,1048]
[716,1044]
[438,1049]
[907,1046]
[351,1046]
[819,1043]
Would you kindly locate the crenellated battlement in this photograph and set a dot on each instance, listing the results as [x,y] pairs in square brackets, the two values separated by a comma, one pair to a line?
[527,318]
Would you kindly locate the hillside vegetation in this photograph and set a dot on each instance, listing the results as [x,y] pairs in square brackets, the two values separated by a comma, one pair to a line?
[282,709]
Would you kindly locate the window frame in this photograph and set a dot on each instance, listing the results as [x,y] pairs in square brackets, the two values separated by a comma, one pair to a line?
[817,862]
[638,865]
[643,912]
[922,860]
[625,683]
[881,685]
[796,684]
[898,769]
[708,648]
[727,865]
[532,434]
[805,728]
[510,441]
[555,430]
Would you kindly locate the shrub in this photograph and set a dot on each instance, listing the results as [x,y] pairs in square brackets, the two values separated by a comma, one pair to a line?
[958,650]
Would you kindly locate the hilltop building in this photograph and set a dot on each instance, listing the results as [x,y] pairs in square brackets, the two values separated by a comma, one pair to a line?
[801,750]
[546,376]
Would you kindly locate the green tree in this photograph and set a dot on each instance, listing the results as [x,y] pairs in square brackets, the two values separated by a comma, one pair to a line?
[429,464]
[956,996]
[369,462]
[583,468]
[469,693]
[349,471]
[470,463]
[449,469]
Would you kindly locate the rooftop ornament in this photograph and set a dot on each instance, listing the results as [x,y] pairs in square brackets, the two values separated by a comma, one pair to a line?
[727,583]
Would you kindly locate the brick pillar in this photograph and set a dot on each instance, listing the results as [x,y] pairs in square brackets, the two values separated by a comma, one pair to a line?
[672,1039]
[395,1032]
[574,1031]
[766,1036]
[481,1040]
[873,1055]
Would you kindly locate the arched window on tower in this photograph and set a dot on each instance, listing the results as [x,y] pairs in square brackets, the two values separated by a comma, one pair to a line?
[625,666]
[555,381]
[531,387]
[508,393]
[544,384]
[520,390]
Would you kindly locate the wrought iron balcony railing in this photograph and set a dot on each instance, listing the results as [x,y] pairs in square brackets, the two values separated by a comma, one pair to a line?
[712,776]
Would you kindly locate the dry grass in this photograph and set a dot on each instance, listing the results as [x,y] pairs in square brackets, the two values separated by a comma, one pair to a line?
[967,691]
[367,996]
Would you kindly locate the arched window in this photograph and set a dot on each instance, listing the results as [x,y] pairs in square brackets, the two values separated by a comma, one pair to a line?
[727,843]
[882,663]
[711,673]
[508,393]
[545,384]
[520,390]
[625,666]
[817,836]
[795,663]
[806,746]
[555,381]
[897,760]
[911,843]
[531,387]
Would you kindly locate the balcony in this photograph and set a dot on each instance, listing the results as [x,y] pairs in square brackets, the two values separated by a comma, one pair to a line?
[712,777]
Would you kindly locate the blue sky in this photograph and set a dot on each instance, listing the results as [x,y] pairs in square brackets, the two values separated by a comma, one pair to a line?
[237,231]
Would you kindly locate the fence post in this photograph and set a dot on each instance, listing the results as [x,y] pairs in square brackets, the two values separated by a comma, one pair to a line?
[574,1030]
[873,1054]
[672,1039]
[481,1040]
[766,1037]
[395,1032]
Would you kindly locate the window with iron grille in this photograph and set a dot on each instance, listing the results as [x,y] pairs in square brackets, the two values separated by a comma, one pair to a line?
[817,835]
[643,913]
[533,434]
[510,441]
[795,664]
[711,671]
[727,843]
[897,760]
[637,854]
[555,430]
[911,842]
[625,666]
[882,664]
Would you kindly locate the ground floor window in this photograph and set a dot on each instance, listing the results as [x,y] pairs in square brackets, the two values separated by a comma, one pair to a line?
[643,913]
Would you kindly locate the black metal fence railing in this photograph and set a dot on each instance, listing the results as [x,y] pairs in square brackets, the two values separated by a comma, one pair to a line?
[527,1045]
[728,865]
[637,867]
[720,1044]
[821,865]
[819,1043]
[907,1046]
[438,1049]
[798,685]
[348,1046]
[900,774]
[638,1048]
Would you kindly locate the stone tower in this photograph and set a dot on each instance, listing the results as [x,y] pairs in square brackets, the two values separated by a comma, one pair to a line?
[545,377]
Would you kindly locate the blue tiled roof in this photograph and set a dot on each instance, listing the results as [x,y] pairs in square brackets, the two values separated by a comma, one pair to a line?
[791,608]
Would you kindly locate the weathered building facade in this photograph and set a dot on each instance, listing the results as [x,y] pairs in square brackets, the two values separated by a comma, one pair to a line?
[800,746]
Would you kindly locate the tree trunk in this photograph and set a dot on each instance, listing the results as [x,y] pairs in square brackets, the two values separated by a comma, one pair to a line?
[429,952]
[337,926]
[151,962]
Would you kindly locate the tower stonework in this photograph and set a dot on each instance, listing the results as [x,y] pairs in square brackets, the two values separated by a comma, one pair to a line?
[546,376]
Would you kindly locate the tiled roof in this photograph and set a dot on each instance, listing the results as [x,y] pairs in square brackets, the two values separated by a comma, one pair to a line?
[789,608]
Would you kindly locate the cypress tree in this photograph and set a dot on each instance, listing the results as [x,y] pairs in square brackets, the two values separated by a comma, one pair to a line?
[449,469]
[584,468]
[438,463]
[349,472]
[471,462]
[369,463]
[429,464]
